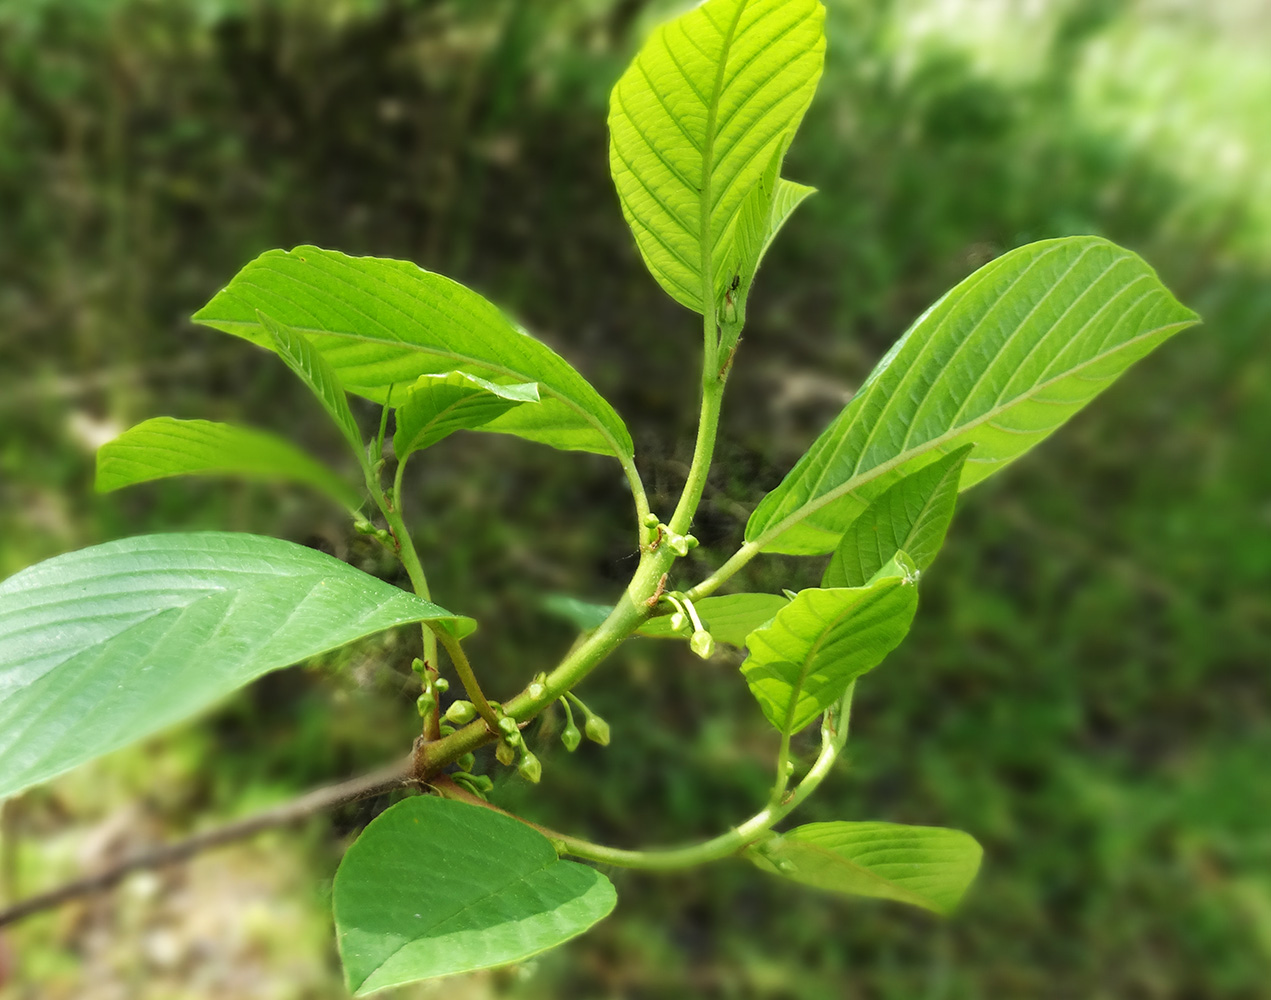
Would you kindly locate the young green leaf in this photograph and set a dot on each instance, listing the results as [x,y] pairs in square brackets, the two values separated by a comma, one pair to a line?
[1000,362]
[163,447]
[911,515]
[439,405]
[435,887]
[730,617]
[804,659]
[379,322]
[708,106]
[313,370]
[101,647]
[927,866]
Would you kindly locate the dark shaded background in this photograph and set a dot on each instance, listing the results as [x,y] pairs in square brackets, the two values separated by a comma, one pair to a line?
[1086,689]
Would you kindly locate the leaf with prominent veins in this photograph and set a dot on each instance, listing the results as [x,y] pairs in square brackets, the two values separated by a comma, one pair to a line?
[439,405]
[380,322]
[802,662]
[1000,362]
[101,647]
[707,107]
[164,446]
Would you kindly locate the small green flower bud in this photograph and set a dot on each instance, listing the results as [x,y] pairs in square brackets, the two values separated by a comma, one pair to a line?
[505,753]
[461,712]
[425,703]
[467,762]
[597,730]
[690,541]
[441,684]
[513,739]
[418,665]
[384,535]
[363,527]
[703,644]
[570,736]
[446,730]
[678,621]
[536,690]
[507,725]
[651,520]
[529,768]
[679,543]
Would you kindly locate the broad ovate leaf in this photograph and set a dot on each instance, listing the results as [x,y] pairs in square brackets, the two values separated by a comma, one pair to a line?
[164,446]
[1000,362]
[729,618]
[705,110]
[802,662]
[308,365]
[380,322]
[439,405]
[926,866]
[912,515]
[103,646]
[435,887]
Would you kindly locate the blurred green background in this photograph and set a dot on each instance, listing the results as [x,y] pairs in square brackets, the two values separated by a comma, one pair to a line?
[1087,687]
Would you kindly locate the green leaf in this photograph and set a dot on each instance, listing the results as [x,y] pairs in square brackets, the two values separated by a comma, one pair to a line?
[313,370]
[708,105]
[926,866]
[439,405]
[434,887]
[379,322]
[912,515]
[801,663]
[729,618]
[583,614]
[764,211]
[999,362]
[163,447]
[101,647]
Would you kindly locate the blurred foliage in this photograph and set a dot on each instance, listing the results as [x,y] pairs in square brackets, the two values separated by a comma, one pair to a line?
[1086,689]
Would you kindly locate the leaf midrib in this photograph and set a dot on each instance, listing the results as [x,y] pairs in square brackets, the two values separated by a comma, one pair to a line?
[812,506]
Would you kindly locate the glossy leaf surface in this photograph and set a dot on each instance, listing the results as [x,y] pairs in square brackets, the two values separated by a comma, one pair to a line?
[163,447]
[912,515]
[439,405]
[101,647]
[381,322]
[708,104]
[926,866]
[802,662]
[435,887]
[1000,362]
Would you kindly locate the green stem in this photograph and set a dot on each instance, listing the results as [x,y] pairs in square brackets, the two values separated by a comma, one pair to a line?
[735,562]
[405,547]
[783,771]
[468,679]
[833,738]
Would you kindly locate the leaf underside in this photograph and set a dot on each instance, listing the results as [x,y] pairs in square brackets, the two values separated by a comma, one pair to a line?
[439,405]
[381,322]
[1000,362]
[926,866]
[103,646]
[435,887]
[163,447]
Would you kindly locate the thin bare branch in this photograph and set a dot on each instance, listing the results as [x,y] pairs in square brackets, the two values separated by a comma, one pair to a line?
[286,814]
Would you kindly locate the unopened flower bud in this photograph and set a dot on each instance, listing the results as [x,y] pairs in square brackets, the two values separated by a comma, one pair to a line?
[597,730]
[571,737]
[703,644]
[507,725]
[425,703]
[461,712]
[441,684]
[651,520]
[678,621]
[536,690]
[529,768]
[467,762]
[679,544]
[505,753]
